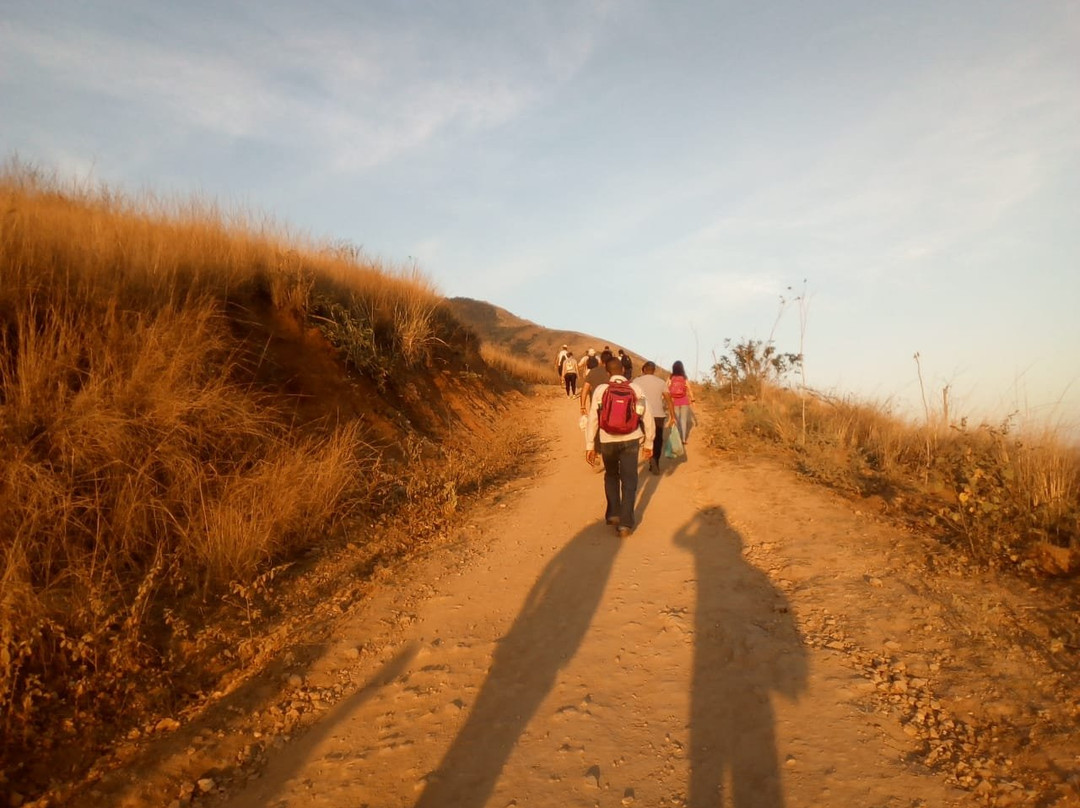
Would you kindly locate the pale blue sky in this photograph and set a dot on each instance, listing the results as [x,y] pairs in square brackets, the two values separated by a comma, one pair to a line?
[657,173]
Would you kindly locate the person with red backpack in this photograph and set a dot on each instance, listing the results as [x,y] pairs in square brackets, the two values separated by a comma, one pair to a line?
[620,418]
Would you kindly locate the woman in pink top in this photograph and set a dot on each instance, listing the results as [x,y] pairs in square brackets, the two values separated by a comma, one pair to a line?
[682,399]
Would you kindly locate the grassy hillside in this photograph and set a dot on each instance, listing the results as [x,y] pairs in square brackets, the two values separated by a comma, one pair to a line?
[527,340]
[192,408]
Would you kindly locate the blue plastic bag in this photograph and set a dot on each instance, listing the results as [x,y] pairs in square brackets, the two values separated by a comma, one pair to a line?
[673,443]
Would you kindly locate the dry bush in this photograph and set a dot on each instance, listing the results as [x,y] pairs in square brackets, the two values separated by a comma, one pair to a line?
[378,317]
[514,366]
[1003,491]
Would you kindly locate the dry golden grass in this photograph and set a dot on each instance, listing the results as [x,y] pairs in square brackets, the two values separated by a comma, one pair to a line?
[142,475]
[525,370]
[1006,492]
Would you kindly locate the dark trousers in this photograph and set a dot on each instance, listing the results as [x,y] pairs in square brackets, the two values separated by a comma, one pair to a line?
[571,384]
[620,479]
[658,441]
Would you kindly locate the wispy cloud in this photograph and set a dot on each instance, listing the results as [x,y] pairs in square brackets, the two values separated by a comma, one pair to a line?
[938,164]
[211,92]
[356,95]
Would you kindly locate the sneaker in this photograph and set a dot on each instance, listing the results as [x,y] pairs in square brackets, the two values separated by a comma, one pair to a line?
[623,532]
[612,520]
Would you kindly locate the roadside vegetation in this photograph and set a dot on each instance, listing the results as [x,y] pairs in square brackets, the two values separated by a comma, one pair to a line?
[515,367]
[1000,493]
[159,484]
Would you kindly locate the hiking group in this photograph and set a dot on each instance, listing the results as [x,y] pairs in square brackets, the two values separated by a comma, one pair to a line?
[623,418]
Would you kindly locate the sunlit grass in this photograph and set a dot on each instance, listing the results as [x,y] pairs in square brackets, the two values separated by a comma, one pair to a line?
[514,366]
[143,474]
[1005,490]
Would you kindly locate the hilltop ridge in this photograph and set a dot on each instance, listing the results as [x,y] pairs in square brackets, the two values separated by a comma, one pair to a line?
[497,326]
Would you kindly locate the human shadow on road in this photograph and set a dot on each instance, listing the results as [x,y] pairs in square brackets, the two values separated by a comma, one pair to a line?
[284,768]
[543,639]
[746,647]
[647,485]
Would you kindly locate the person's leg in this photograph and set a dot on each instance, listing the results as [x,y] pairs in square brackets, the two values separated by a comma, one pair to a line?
[609,452]
[658,442]
[689,425]
[628,467]
[682,420]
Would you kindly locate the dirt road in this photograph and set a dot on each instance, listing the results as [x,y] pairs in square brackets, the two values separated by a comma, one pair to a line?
[756,642]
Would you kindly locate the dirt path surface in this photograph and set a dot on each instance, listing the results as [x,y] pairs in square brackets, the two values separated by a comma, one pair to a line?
[757,641]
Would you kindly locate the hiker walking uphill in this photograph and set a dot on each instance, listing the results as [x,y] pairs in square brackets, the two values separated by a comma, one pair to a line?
[570,375]
[619,419]
[594,377]
[656,394]
[682,400]
[560,361]
[587,362]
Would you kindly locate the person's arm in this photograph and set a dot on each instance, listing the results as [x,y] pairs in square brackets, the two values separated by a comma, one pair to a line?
[585,388]
[669,406]
[592,426]
[649,426]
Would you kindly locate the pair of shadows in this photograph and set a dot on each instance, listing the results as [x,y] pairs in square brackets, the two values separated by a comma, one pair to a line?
[746,646]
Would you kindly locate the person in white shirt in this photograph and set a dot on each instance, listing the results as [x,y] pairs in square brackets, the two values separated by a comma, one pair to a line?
[619,451]
[657,395]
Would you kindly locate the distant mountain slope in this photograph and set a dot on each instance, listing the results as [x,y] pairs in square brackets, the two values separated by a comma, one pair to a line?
[497,326]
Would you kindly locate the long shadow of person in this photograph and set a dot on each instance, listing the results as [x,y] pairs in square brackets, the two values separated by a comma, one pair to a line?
[646,490]
[746,646]
[285,767]
[544,638]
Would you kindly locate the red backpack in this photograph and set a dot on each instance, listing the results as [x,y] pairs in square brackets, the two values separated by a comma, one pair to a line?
[618,409]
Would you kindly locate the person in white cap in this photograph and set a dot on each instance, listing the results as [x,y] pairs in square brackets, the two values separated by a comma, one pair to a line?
[587,362]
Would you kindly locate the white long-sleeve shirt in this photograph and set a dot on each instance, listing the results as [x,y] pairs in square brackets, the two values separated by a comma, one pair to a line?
[592,428]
